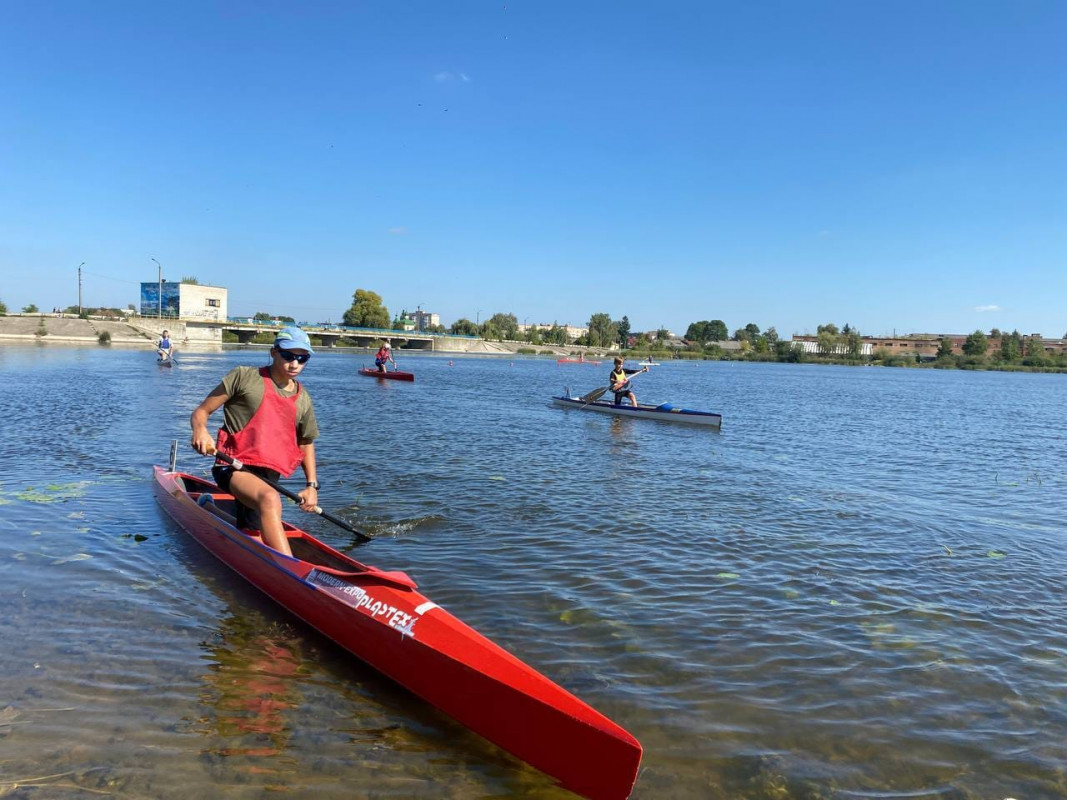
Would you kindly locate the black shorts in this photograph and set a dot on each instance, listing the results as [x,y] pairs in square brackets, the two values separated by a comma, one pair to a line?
[223,472]
[246,517]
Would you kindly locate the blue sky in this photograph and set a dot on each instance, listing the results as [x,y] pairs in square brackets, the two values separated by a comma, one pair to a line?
[894,165]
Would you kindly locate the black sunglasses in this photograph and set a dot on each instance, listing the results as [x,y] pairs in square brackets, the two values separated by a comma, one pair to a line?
[299,358]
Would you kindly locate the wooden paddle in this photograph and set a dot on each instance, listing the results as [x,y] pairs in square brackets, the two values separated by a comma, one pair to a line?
[238,464]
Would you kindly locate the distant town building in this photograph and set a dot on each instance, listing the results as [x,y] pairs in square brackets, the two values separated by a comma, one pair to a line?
[417,320]
[573,331]
[425,319]
[190,301]
[923,345]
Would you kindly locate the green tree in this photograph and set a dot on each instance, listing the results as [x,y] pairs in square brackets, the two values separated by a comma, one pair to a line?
[602,331]
[976,344]
[557,334]
[853,343]
[753,331]
[828,338]
[663,337]
[366,311]
[772,336]
[261,316]
[190,280]
[697,332]
[944,350]
[707,331]
[30,309]
[622,328]
[1010,349]
[501,326]
[1035,347]
[740,335]
[463,327]
[3,308]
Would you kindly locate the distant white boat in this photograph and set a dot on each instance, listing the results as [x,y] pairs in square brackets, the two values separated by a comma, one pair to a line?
[665,412]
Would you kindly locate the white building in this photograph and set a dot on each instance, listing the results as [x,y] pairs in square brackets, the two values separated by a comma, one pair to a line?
[191,301]
[573,331]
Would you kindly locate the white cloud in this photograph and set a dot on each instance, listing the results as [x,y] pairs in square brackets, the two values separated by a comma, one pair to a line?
[447,77]
[980,309]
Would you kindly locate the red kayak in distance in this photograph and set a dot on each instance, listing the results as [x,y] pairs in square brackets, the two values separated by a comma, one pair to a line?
[396,375]
[383,619]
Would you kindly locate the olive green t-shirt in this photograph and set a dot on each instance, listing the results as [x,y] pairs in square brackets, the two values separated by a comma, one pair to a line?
[244,386]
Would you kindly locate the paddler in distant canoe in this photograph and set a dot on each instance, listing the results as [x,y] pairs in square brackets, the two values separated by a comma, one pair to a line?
[620,382]
[164,347]
[270,426]
[384,356]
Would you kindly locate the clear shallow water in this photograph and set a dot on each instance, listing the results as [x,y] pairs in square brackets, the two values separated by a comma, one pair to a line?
[854,590]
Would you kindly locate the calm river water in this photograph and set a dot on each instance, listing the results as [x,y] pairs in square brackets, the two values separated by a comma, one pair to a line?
[854,590]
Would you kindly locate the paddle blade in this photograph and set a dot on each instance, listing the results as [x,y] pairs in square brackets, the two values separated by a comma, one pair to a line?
[595,395]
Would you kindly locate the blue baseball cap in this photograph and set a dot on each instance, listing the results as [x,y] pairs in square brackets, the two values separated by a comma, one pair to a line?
[292,338]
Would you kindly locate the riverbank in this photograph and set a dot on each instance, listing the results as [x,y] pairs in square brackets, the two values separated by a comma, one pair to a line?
[51,328]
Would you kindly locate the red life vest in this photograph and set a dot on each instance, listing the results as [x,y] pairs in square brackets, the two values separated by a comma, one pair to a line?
[269,438]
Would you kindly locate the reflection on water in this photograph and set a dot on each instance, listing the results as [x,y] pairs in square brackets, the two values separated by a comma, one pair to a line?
[250,686]
[855,589]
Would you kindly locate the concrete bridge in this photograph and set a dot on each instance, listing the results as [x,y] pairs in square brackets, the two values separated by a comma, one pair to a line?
[330,334]
[246,330]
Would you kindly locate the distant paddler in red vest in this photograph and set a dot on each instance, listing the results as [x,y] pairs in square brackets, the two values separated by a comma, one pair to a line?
[269,425]
[384,356]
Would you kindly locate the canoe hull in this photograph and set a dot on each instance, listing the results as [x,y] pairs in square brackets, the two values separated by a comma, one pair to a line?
[664,414]
[383,619]
[393,376]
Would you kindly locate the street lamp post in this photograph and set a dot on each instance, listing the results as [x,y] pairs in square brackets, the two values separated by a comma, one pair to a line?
[160,298]
[80,288]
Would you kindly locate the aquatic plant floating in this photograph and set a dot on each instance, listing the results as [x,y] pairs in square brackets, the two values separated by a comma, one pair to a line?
[53,492]
[68,559]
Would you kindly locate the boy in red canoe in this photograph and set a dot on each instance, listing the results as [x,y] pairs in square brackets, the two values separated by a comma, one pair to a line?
[269,424]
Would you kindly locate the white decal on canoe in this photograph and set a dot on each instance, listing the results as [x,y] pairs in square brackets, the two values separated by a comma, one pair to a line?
[395,617]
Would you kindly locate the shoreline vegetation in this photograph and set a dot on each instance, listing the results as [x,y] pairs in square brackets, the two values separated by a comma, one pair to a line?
[500,336]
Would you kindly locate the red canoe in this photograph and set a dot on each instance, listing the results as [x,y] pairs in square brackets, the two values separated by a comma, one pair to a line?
[577,361]
[383,619]
[395,375]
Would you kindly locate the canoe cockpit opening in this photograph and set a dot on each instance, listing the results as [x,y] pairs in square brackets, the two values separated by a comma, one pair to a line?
[223,506]
[192,485]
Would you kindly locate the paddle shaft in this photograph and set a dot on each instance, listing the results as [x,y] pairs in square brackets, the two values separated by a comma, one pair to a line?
[238,464]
